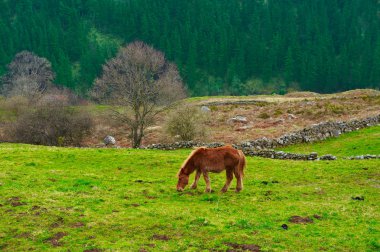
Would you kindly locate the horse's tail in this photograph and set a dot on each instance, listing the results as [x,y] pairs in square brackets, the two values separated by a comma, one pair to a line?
[242,162]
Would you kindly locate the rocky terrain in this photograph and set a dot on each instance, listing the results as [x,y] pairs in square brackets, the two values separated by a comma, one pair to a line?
[253,119]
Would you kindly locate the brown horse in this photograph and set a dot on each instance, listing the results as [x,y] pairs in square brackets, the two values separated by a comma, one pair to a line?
[204,160]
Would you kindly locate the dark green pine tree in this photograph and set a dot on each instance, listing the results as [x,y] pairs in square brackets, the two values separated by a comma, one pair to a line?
[289,66]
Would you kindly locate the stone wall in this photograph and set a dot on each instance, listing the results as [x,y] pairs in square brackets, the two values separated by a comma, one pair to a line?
[262,147]
[314,133]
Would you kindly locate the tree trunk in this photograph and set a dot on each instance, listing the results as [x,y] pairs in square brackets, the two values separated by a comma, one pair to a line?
[137,137]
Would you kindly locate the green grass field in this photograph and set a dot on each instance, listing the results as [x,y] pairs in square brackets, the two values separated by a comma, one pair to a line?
[361,142]
[125,200]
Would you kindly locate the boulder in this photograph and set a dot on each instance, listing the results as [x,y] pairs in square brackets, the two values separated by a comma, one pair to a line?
[291,117]
[109,140]
[327,157]
[237,119]
[205,109]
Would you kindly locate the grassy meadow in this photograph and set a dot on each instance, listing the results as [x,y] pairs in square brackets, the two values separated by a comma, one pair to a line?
[361,142]
[59,199]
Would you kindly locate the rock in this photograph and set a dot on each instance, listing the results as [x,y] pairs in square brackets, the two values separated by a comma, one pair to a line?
[153,128]
[364,157]
[336,133]
[327,157]
[243,128]
[291,117]
[109,140]
[205,109]
[237,119]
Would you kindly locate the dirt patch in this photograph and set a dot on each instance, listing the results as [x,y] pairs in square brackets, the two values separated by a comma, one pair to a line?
[318,217]
[93,250]
[42,210]
[300,220]
[34,208]
[135,205]
[243,247]
[55,239]
[77,225]
[52,179]
[15,201]
[151,197]
[24,235]
[59,222]
[161,237]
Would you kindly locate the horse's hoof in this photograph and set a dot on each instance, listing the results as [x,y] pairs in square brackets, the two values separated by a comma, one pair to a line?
[224,190]
[208,190]
[193,187]
[238,190]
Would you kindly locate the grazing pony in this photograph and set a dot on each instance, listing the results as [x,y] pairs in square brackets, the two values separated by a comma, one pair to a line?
[204,160]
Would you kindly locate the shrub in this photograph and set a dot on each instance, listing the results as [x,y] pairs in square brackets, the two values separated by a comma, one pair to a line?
[278,112]
[13,107]
[187,123]
[334,108]
[55,125]
[263,115]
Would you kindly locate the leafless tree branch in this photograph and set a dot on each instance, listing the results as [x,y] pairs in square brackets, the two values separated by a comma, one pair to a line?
[142,81]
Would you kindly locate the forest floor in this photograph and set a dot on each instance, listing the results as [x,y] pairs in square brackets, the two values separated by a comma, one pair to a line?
[78,199]
[268,116]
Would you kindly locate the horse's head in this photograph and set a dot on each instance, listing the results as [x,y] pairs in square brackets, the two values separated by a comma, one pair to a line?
[183,180]
[186,169]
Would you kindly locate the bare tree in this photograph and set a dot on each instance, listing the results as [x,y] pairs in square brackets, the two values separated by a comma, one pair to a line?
[28,75]
[142,82]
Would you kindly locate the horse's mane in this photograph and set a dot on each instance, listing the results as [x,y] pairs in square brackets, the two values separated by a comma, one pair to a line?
[188,159]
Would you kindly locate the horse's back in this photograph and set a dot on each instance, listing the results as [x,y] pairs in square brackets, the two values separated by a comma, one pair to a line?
[218,159]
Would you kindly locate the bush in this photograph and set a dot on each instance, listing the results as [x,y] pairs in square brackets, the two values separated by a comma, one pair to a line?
[13,107]
[187,123]
[55,125]
[263,115]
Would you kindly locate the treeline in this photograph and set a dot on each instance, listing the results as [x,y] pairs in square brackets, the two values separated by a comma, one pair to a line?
[220,46]
[58,31]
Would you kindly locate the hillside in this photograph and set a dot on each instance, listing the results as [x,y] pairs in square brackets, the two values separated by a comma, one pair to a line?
[267,116]
[95,199]
[220,46]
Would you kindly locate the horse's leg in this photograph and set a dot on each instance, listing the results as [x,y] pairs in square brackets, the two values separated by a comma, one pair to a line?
[197,176]
[207,180]
[239,179]
[230,176]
